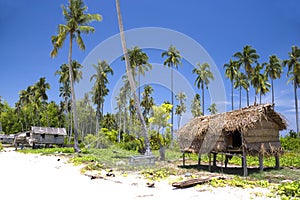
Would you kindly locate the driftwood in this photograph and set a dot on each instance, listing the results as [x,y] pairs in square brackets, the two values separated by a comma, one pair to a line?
[195,181]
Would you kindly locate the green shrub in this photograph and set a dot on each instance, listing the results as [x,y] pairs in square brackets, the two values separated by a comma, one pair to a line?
[1,146]
[290,143]
[289,190]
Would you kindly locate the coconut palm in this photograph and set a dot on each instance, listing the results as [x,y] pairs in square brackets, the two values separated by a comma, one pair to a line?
[196,106]
[138,62]
[147,102]
[293,64]
[240,82]
[260,82]
[204,75]
[173,60]
[230,72]
[181,108]
[273,71]
[100,89]
[246,59]
[131,80]
[77,21]
[212,109]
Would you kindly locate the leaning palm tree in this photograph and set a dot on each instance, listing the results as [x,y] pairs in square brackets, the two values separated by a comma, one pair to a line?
[230,72]
[293,64]
[273,70]
[77,21]
[204,75]
[100,89]
[173,60]
[246,59]
[131,80]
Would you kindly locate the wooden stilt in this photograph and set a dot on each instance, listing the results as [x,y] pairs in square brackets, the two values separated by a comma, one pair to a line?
[209,161]
[277,162]
[261,162]
[215,160]
[244,160]
[183,159]
[199,158]
[226,161]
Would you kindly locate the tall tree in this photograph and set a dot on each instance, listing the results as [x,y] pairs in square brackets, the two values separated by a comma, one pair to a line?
[139,63]
[240,82]
[246,59]
[273,71]
[260,82]
[196,106]
[181,108]
[204,75]
[147,102]
[100,89]
[212,109]
[173,60]
[76,22]
[230,72]
[131,80]
[293,64]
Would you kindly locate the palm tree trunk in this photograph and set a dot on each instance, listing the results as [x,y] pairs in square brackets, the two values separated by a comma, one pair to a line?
[139,86]
[76,145]
[232,107]
[172,102]
[296,106]
[247,97]
[240,97]
[272,92]
[202,87]
[260,98]
[131,81]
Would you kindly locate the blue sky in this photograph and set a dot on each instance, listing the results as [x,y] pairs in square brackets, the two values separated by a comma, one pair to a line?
[220,27]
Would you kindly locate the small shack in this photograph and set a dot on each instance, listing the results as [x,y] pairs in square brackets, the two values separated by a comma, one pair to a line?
[253,130]
[7,139]
[48,135]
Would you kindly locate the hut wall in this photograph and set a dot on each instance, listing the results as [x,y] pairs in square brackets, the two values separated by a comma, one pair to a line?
[48,138]
[263,137]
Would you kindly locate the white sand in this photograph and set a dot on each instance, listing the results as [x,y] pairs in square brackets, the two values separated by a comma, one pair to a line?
[33,177]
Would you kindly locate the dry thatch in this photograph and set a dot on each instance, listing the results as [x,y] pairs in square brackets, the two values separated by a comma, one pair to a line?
[258,126]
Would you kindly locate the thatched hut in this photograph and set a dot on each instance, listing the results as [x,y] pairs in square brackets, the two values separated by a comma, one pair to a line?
[251,130]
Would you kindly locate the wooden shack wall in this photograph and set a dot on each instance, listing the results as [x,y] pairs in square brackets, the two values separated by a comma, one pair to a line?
[48,139]
[264,136]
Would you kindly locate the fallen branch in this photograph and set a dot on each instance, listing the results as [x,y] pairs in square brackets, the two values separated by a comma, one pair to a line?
[195,181]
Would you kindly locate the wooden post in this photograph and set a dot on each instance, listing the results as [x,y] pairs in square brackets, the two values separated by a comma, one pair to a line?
[183,159]
[261,162]
[244,161]
[215,159]
[209,161]
[277,162]
[199,158]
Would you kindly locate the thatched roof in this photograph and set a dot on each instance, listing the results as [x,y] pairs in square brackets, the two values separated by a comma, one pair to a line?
[214,126]
[48,130]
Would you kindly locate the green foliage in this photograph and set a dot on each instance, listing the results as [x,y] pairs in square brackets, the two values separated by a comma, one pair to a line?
[289,190]
[239,182]
[90,140]
[80,159]
[157,174]
[291,141]
[1,146]
[48,150]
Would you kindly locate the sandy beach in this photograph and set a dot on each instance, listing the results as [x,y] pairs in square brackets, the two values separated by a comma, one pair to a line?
[29,176]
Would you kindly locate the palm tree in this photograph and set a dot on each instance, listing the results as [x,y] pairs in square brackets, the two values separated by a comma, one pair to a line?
[204,75]
[147,102]
[181,108]
[196,106]
[100,90]
[40,96]
[131,80]
[273,70]
[212,109]
[173,60]
[230,72]
[240,82]
[246,59]
[77,21]
[138,62]
[260,82]
[293,64]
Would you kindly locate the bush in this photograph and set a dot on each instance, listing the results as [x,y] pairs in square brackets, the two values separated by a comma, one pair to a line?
[290,143]
[1,146]
[289,190]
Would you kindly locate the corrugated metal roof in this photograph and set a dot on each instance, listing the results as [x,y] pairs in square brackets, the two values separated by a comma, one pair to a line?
[48,130]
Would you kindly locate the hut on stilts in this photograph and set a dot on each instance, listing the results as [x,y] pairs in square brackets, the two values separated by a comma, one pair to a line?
[253,130]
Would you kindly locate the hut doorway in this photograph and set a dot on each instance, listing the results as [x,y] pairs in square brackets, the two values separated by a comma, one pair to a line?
[236,139]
